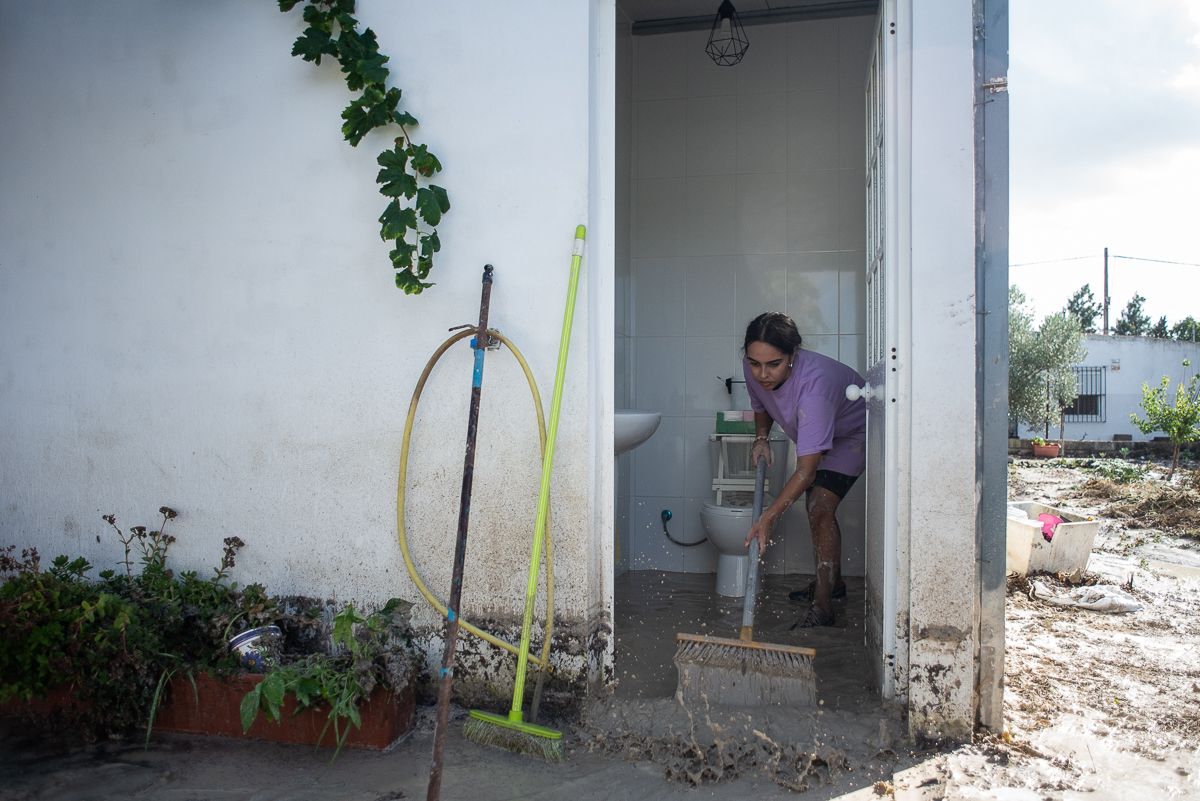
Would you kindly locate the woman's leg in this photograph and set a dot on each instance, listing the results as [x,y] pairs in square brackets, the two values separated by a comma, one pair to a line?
[827,546]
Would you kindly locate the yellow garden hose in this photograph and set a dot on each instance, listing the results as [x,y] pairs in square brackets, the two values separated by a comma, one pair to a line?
[402,479]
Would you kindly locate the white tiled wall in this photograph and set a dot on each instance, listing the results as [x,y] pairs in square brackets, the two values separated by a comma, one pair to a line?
[744,190]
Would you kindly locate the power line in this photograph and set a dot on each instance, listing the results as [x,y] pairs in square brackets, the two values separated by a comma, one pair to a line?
[1159,261]
[1111,256]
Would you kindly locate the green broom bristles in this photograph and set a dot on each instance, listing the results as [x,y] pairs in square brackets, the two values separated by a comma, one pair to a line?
[516,736]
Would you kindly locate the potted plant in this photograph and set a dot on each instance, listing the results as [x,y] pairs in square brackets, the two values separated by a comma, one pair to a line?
[1043,449]
[148,646]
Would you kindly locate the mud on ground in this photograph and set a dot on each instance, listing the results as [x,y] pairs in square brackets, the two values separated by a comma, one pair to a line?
[1102,705]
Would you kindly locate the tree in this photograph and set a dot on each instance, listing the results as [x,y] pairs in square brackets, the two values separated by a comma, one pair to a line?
[1083,307]
[1134,322]
[1041,382]
[1180,421]
[1160,330]
[1187,329]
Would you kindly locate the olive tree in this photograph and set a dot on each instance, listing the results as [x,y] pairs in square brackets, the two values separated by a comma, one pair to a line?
[1041,382]
[1180,420]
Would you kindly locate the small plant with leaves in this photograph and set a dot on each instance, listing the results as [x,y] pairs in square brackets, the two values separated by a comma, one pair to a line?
[112,643]
[366,651]
[1118,472]
[415,207]
[1179,420]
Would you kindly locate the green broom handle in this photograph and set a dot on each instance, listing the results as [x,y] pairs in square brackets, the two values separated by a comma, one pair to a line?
[539,526]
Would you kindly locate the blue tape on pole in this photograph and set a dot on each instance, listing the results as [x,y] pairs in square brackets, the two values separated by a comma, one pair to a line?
[446,672]
[477,379]
[450,615]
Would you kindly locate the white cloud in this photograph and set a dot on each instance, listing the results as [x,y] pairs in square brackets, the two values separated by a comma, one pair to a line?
[1105,115]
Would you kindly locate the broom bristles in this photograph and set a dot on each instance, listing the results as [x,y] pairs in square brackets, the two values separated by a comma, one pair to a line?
[729,672]
[494,732]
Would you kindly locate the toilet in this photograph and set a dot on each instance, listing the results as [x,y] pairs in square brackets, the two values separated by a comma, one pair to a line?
[727,518]
[726,525]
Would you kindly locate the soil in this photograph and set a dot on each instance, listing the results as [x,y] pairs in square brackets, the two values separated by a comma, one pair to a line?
[1097,706]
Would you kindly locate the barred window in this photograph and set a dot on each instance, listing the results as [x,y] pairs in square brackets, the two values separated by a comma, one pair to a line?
[1089,405]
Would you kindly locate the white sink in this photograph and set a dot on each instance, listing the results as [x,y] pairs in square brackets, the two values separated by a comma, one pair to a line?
[632,427]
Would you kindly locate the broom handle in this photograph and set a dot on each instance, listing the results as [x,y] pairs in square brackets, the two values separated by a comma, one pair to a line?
[752,570]
[539,527]
[446,679]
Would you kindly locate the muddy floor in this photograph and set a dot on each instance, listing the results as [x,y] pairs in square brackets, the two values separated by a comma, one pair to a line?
[1098,706]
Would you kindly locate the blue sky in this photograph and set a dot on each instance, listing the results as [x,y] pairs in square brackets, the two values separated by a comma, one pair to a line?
[1105,150]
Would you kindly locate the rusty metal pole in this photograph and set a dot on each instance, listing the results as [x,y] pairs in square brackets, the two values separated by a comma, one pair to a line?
[446,678]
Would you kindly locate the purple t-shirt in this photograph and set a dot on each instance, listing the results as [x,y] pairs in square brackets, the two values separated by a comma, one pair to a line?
[812,408]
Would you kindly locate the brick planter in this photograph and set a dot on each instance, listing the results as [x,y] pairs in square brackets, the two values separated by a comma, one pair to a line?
[213,707]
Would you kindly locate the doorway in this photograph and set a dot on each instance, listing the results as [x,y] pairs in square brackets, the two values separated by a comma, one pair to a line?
[739,190]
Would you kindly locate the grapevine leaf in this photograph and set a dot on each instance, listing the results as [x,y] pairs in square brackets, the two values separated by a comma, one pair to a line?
[396,183]
[312,44]
[402,256]
[410,283]
[287,5]
[439,194]
[318,18]
[372,69]
[396,220]
[364,113]
[394,176]
[425,162]
[354,47]
[391,100]
[427,204]
[431,243]
[404,118]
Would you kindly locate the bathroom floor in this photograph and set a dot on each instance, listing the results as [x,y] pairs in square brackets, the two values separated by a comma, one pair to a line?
[652,606]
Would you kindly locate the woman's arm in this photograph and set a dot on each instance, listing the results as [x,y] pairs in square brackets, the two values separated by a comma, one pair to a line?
[797,485]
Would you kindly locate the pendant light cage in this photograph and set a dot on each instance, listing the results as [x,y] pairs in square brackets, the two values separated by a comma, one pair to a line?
[727,42]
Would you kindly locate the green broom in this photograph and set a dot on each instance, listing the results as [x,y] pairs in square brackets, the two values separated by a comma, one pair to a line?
[511,731]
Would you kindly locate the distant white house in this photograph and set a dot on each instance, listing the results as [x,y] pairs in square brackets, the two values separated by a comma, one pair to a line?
[1110,384]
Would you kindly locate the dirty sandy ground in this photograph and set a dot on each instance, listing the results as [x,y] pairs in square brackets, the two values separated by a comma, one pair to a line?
[1098,706]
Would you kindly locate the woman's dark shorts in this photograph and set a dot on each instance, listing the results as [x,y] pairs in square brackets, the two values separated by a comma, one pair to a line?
[837,483]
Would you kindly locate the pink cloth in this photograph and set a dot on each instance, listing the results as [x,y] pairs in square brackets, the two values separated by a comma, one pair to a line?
[1049,523]
[812,409]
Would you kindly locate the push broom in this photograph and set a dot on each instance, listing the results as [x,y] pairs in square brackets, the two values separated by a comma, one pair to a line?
[512,731]
[742,672]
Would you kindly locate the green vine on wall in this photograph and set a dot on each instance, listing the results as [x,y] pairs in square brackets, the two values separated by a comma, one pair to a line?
[333,31]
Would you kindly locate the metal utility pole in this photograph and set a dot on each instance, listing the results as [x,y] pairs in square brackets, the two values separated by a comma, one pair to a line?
[1106,292]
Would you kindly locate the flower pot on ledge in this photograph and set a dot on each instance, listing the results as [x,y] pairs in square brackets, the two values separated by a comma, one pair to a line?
[213,707]
[1048,450]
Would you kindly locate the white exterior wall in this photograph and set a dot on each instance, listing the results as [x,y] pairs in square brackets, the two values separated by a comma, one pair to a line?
[942,430]
[1129,362]
[196,309]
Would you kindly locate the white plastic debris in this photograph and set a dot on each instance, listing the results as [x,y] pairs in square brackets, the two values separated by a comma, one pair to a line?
[1097,598]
